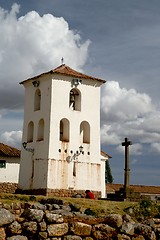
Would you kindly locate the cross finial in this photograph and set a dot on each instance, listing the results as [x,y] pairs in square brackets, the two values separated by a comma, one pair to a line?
[62,60]
[126,143]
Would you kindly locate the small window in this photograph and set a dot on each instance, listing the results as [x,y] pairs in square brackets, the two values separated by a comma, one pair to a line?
[37,100]
[40,136]
[85,132]
[64,130]
[30,132]
[2,164]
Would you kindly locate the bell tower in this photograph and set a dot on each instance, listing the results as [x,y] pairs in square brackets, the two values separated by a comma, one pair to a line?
[61,134]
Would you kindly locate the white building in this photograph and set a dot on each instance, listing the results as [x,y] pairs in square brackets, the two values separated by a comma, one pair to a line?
[9,164]
[61,133]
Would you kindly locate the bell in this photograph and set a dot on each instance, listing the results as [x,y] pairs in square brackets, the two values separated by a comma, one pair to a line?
[72,97]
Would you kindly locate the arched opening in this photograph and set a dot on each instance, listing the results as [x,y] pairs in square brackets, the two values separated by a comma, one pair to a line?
[37,100]
[30,132]
[40,134]
[75,99]
[64,130]
[85,132]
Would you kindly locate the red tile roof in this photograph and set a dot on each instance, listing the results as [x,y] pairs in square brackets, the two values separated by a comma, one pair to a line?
[111,188]
[66,70]
[7,151]
[105,154]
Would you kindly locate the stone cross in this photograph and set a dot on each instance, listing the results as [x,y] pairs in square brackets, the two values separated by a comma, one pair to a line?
[126,144]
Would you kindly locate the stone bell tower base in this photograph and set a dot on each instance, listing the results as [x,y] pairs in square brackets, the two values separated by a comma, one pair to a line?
[57,192]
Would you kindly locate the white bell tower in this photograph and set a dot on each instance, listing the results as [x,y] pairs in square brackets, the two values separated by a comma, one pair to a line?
[61,134]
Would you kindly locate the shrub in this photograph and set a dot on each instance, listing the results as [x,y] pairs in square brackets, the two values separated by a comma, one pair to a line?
[145,208]
[89,211]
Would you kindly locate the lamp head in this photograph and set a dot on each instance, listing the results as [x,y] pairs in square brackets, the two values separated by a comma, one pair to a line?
[35,83]
[76,81]
[24,144]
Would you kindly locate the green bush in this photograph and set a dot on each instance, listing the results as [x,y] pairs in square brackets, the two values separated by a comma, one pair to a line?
[89,211]
[145,208]
[145,203]
[74,207]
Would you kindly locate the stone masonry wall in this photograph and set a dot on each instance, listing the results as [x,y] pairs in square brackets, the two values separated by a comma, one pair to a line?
[7,187]
[54,220]
[57,192]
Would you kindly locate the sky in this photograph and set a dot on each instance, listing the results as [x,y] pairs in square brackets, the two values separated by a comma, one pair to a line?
[118,41]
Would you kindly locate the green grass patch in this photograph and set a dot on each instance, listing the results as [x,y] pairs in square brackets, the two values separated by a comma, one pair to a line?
[144,209]
[97,208]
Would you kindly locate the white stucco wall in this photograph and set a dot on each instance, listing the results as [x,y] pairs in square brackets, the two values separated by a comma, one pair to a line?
[87,165]
[33,168]
[103,184]
[11,171]
[90,112]
[47,166]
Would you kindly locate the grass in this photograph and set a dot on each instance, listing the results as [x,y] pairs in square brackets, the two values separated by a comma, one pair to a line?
[99,208]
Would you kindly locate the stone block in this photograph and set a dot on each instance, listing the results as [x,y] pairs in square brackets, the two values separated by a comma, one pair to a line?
[57,230]
[80,229]
[2,233]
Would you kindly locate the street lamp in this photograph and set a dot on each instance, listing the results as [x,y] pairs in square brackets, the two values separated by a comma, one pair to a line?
[75,155]
[24,144]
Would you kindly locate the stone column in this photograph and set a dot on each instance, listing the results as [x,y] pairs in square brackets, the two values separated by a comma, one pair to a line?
[126,144]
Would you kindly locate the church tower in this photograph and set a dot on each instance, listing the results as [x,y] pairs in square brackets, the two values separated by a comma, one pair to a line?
[61,134]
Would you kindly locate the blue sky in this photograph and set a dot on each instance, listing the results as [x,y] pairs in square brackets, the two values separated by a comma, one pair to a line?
[118,41]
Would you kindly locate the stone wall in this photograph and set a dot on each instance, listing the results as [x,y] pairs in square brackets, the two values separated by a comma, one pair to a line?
[57,192]
[6,187]
[55,220]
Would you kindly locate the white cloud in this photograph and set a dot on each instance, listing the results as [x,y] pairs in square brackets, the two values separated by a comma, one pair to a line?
[135,149]
[127,113]
[12,138]
[32,44]
[155,147]
[124,104]
[29,45]
[108,136]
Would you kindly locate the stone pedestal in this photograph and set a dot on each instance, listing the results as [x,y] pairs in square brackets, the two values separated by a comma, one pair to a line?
[126,193]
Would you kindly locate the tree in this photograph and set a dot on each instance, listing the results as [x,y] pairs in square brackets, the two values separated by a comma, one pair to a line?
[108,173]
